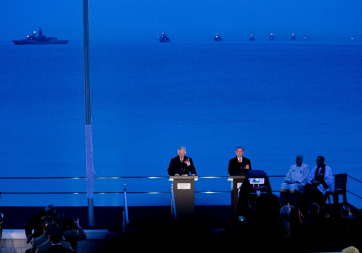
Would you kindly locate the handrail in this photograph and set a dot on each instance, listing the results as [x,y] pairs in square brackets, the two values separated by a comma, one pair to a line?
[354,178]
[125,212]
[173,205]
[106,177]
[139,177]
[131,177]
[354,194]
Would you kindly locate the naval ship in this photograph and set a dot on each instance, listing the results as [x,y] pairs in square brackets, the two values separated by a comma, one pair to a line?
[164,38]
[39,40]
[218,38]
[293,37]
[271,36]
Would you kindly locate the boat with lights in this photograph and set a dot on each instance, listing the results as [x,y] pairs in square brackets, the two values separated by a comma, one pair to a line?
[271,37]
[39,40]
[218,38]
[164,38]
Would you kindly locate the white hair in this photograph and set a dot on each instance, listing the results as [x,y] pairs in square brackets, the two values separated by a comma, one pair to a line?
[181,148]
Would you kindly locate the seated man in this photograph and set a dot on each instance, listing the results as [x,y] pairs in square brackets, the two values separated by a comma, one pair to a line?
[73,232]
[56,239]
[296,177]
[33,228]
[181,164]
[46,223]
[320,180]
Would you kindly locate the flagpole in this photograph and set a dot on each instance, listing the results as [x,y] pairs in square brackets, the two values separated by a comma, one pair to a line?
[88,118]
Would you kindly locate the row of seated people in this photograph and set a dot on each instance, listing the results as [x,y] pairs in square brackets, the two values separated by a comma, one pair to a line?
[314,183]
[290,229]
[47,232]
[302,182]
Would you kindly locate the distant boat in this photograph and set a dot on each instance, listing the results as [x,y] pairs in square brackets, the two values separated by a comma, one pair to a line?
[218,38]
[164,38]
[351,38]
[271,36]
[39,40]
[252,38]
[293,37]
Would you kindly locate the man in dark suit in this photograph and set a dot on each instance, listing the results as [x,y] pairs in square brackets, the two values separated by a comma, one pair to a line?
[239,165]
[55,237]
[181,164]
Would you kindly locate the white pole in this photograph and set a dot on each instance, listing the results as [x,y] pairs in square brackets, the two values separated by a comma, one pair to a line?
[88,117]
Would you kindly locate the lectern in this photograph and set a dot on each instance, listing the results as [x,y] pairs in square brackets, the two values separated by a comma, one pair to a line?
[236,182]
[184,193]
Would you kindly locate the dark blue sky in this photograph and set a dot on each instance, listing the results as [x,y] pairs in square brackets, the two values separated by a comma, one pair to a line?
[318,20]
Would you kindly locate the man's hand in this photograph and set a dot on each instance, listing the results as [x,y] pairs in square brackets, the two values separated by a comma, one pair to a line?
[324,184]
[193,174]
[76,221]
[177,175]
[28,239]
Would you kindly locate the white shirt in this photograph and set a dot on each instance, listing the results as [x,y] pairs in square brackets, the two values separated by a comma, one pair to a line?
[299,174]
[328,178]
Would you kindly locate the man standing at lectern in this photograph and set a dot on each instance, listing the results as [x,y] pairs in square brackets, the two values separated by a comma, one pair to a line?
[181,164]
[239,165]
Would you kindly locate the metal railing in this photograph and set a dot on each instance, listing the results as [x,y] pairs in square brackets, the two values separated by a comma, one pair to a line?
[359,181]
[129,177]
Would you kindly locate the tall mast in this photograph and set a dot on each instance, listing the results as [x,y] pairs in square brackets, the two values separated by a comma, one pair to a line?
[88,118]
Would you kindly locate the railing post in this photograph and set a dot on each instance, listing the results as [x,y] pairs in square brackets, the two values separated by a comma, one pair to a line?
[173,206]
[171,201]
[125,211]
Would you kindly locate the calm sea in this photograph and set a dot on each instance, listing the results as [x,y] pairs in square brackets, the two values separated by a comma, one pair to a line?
[276,99]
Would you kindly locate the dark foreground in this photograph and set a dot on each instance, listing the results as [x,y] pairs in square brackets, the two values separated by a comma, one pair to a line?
[153,228]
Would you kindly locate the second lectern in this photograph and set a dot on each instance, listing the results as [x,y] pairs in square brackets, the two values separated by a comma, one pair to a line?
[236,182]
[184,194]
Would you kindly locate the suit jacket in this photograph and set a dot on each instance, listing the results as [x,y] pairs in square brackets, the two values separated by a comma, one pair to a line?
[238,169]
[39,240]
[178,167]
[58,249]
[72,236]
[48,245]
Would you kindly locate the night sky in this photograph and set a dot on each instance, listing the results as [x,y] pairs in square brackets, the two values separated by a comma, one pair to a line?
[318,20]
